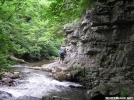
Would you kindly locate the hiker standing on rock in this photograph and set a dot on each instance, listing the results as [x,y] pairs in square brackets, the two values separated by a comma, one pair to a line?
[62,53]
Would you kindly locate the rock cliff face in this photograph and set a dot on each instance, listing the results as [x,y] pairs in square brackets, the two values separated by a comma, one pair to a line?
[103,43]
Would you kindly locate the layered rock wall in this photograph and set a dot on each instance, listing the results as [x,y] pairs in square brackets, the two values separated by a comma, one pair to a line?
[103,43]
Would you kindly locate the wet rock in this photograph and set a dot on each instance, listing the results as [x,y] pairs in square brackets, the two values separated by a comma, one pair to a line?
[99,90]
[60,76]
[45,98]
[13,75]
[10,78]
[36,68]
[16,75]
[5,96]
[77,86]
[108,90]
[54,98]
[8,74]
[27,98]
[9,82]
[50,67]
[47,69]
[54,67]
[96,95]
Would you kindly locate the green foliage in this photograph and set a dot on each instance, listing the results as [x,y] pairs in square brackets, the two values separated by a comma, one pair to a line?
[34,28]
[3,62]
[4,47]
[77,67]
[67,10]
[124,92]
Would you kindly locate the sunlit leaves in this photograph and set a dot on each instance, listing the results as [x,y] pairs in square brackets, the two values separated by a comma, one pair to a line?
[4,43]
[35,27]
[66,10]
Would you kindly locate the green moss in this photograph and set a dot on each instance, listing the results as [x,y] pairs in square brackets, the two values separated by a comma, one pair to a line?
[124,92]
[101,75]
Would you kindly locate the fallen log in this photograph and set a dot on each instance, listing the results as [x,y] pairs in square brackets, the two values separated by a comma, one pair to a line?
[16,59]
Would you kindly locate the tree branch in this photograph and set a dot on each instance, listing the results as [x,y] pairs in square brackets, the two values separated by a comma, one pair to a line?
[16,10]
[2,2]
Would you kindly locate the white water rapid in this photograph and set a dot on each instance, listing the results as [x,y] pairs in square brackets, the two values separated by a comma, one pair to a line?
[35,83]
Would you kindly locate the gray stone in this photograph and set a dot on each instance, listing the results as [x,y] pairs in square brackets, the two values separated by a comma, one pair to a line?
[5,96]
[102,10]
[80,50]
[93,51]
[85,28]
[68,31]
[111,1]
[100,28]
[84,22]
[83,39]
[104,42]
[74,41]
[106,90]
[75,34]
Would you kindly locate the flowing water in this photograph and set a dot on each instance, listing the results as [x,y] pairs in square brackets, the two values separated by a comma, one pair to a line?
[36,83]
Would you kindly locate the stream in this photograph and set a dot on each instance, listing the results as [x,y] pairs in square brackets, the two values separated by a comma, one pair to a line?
[37,85]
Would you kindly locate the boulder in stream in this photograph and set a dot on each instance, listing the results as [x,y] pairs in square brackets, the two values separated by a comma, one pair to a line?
[16,75]
[13,75]
[9,78]
[5,96]
[60,75]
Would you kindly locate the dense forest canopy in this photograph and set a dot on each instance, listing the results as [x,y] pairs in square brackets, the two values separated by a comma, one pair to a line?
[33,29]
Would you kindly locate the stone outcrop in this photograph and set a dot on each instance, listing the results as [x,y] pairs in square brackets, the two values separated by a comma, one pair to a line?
[103,43]
[9,78]
[56,70]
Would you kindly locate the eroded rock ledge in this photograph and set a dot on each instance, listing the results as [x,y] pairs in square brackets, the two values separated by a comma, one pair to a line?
[103,44]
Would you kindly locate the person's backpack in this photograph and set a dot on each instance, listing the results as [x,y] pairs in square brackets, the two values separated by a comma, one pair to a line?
[63,50]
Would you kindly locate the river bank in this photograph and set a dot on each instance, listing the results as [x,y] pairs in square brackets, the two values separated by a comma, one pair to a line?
[37,85]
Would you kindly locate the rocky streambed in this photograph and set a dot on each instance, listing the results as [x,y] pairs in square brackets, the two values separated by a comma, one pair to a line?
[38,82]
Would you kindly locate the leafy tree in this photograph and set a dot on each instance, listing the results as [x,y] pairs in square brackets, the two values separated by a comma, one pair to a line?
[33,29]
[67,10]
